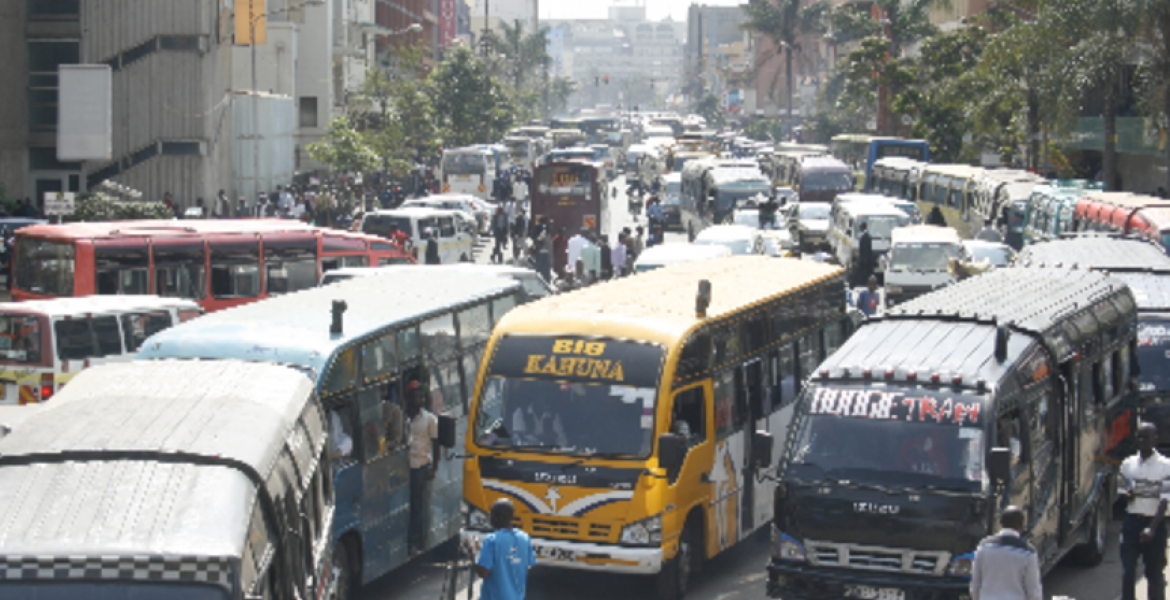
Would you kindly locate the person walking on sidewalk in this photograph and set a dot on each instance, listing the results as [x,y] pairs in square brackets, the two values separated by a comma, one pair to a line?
[505,557]
[1145,483]
[1006,566]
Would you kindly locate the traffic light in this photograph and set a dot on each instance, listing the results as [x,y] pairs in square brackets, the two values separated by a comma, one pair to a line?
[607,80]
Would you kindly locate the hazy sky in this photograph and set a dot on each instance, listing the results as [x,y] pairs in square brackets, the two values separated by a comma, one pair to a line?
[597,9]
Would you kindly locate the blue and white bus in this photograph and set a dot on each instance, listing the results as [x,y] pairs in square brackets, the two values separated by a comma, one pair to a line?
[861,151]
[363,342]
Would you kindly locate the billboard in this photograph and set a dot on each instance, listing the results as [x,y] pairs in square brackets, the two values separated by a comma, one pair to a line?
[249,15]
[85,113]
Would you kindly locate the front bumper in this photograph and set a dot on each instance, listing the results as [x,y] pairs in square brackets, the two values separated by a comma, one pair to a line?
[906,294]
[801,581]
[568,554]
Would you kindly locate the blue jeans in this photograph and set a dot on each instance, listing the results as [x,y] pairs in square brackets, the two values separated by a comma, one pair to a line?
[1152,553]
[420,507]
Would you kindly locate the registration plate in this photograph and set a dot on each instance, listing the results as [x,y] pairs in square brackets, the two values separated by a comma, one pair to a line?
[556,554]
[874,593]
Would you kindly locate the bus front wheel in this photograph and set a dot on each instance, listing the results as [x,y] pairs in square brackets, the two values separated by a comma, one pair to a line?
[671,582]
[342,570]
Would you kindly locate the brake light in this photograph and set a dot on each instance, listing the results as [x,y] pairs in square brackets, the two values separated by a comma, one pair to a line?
[46,386]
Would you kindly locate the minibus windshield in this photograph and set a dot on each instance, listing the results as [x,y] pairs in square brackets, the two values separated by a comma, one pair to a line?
[20,339]
[900,437]
[1153,354]
[570,395]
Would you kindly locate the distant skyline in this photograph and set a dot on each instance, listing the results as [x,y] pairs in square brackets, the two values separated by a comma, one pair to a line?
[599,9]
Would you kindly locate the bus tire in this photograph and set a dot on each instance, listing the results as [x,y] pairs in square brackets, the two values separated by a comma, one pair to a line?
[1092,551]
[463,258]
[671,582]
[343,569]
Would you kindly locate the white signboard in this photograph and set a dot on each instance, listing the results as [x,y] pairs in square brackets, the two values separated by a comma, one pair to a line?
[58,203]
[84,113]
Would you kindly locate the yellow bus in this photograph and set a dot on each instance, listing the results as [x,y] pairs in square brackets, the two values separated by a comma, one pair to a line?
[631,423]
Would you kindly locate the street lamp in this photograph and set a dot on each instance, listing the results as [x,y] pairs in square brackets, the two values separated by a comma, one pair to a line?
[256,91]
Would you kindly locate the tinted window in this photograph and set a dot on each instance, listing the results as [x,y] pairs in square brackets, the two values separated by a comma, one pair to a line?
[79,339]
[333,243]
[290,265]
[44,267]
[235,269]
[137,327]
[20,339]
[121,267]
[180,270]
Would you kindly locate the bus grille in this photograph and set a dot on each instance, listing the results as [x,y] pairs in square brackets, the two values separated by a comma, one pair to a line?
[876,558]
[546,527]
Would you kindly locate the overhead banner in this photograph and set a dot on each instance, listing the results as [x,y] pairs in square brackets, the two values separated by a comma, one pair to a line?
[250,18]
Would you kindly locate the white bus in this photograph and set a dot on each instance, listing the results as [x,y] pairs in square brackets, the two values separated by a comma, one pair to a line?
[468,171]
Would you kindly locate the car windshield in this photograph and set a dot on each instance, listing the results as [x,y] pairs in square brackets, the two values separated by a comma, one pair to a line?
[825,180]
[1153,354]
[751,218]
[20,339]
[570,395]
[891,436]
[881,227]
[731,195]
[814,211]
[380,225]
[464,164]
[922,257]
[1000,256]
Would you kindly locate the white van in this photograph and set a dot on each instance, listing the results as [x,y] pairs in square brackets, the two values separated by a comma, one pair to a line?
[45,343]
[474,207]
[659,256]
[454,230]
[919,261]
[845,220]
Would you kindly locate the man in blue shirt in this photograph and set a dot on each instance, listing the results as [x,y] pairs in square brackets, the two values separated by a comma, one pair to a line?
[869,300]
[505,557]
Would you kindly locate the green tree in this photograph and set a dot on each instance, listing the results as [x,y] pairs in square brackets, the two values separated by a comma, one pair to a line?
[471,107]
[711,108]
[906,22]
[1154,74]
[785,22]
[561,89]
[344,148]
[526,53]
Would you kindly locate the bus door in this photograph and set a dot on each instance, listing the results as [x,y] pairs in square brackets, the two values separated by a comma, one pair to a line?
[729,472]
[750,398]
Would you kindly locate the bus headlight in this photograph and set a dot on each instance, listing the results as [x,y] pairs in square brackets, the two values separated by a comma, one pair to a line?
[961,566]
[647,532]
[787,548]
[477,519]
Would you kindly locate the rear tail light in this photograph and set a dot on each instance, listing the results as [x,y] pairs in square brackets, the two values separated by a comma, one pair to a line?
[46,386]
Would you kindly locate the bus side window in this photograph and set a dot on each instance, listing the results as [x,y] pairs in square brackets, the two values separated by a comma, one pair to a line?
[695,357]
[136,327]
[784,378]
[810,354]
[1105,378]
[689,415]
[235,269]
[373,421]
[74,340]
[727,414]
[108,336]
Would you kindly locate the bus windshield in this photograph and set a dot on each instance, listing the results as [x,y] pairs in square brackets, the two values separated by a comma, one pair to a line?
[1153,354]
[825,180]
[570,395]
[44,267]
[922,257]
[464,163]
[891,437]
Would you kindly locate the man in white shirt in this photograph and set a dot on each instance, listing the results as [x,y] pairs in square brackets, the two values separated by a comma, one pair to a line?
[424,462]
[1145,483]
[576,242]
[1006,566]
[617,256]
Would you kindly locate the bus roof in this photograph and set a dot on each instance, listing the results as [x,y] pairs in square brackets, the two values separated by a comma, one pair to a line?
[952,332]
[294,329]
[60,307]
[92,506]
[159,228]
[659,306]
[1095,251]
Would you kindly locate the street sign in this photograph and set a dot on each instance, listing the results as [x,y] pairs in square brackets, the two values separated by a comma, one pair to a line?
[58,203]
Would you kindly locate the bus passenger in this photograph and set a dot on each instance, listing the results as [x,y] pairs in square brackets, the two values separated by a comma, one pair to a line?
[342,443]
[424,462]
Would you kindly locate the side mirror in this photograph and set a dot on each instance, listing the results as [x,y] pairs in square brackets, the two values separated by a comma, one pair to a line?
[446,431]
[672,451]
[762,449]
[999,465]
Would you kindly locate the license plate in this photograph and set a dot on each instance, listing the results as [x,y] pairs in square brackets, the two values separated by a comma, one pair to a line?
[866,592]
[557,554]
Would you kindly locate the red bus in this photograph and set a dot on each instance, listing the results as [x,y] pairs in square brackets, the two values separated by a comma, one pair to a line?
[574,194]
[1124,212]
[219,264]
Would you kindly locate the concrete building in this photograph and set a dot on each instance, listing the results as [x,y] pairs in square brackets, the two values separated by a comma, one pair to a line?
[506,11]
[397,15]
[642,59]
[710,31]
